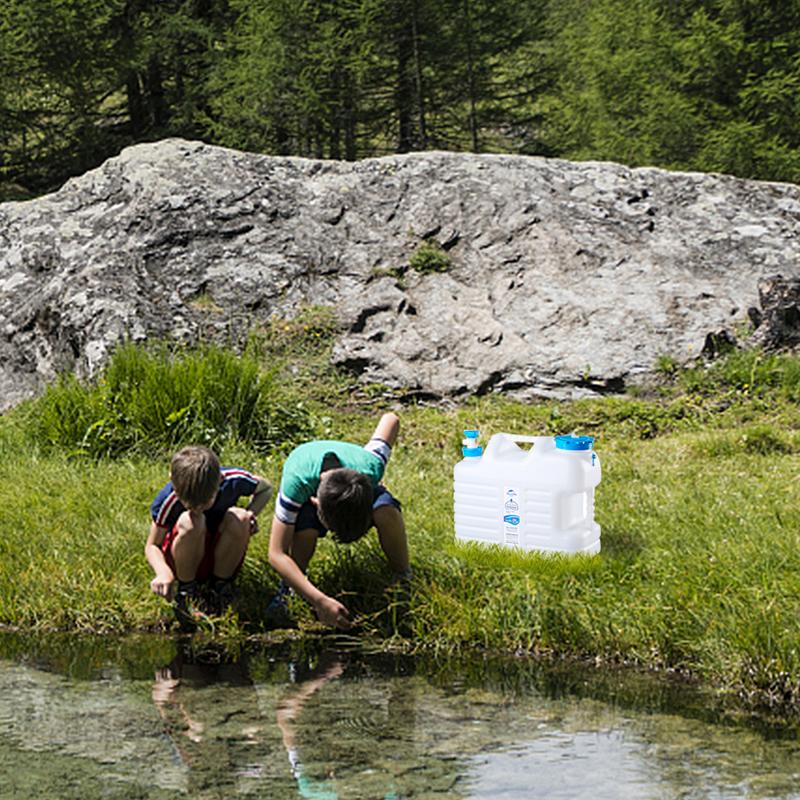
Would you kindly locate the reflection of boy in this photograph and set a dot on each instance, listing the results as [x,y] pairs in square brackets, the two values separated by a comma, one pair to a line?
[289,709]
[199,536]
[210,719]
[336,486]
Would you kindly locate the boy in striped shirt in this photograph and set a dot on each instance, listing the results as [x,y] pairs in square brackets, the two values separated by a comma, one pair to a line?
[199,534]
[334,486]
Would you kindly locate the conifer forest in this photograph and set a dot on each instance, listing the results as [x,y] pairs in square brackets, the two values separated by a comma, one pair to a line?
[709,85]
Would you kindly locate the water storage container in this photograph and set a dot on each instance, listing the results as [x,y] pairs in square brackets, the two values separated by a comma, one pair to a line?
[541,498]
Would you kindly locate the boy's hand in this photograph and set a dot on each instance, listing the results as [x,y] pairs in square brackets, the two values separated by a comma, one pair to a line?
[332,612]
[163,587]
[252,522]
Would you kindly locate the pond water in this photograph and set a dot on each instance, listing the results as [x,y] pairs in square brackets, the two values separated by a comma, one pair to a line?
[158,718]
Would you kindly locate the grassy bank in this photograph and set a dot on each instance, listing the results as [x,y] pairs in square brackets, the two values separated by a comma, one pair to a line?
[699,570]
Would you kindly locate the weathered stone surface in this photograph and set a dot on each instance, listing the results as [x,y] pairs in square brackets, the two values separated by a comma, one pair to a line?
[566,278]
[777,322]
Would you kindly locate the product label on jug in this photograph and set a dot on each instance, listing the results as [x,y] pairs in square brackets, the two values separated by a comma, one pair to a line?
[512,514]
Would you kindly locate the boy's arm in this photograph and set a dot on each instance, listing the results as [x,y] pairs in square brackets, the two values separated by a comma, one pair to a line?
[164,582]
[329,611]
[387,428]
[261,495]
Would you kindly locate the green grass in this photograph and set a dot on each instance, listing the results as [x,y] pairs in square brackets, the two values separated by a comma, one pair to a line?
[700,564]
[155,399]
[746,373]
[429,257]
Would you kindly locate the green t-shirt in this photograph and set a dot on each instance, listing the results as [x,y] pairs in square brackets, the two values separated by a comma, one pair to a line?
[301,471]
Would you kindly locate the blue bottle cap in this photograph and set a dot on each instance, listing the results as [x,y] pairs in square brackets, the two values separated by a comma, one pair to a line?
[574,442]
[471,452]
[472,434]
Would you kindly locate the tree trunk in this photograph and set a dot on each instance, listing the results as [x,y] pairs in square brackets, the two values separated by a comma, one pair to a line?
[404,91]
[136,109]
[159,112]
[349,120]
[423,134]
[334,115]
[473,115]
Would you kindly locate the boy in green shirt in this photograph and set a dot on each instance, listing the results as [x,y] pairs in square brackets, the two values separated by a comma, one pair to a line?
[336,486]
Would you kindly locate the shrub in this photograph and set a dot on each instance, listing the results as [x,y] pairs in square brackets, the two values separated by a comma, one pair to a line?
[762,439]
[158,398]
[667,365]
[747,372]
[429,257]
[759,439]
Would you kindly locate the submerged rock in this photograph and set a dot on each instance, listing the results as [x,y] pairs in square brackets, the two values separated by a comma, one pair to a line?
[557,278]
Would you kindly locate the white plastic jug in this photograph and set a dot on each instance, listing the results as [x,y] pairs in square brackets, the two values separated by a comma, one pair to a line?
[536,499]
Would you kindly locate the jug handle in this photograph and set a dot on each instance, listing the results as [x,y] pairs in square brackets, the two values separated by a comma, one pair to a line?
[540,444]
[499,440]
[531,439]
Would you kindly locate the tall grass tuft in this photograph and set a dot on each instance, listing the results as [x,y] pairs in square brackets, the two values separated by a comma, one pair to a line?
[152,399]
[749,373]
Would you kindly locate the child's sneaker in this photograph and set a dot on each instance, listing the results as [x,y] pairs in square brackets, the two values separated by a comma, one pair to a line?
[187,606]
[278,608]
[220,595]
[402,578]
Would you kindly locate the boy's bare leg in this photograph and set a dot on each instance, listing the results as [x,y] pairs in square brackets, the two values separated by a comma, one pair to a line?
[188,546]
[304,543]
[392,536]
[234,537]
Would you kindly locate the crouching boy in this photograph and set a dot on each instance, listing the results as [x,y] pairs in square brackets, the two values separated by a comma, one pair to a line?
[199,535]
[334,486]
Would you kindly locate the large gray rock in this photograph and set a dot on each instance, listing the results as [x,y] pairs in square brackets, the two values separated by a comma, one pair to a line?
[566,278]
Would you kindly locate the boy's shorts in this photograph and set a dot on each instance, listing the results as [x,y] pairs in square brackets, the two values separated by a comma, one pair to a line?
[307,517]
[205,569]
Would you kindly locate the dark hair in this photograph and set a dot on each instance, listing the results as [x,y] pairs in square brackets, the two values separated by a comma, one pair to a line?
[345,503]
[195,474]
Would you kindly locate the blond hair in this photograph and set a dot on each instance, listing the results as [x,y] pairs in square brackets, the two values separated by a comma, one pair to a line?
[195,474]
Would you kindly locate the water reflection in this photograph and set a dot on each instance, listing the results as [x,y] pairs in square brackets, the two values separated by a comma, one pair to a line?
[211,719]
[154,721]
[316,780]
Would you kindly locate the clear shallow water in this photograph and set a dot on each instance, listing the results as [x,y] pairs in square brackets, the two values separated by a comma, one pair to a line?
[139,719]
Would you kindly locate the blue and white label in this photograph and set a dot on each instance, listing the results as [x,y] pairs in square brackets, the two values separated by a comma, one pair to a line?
[512,516]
